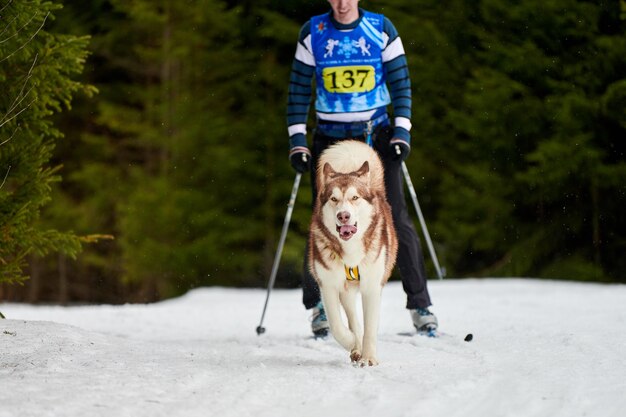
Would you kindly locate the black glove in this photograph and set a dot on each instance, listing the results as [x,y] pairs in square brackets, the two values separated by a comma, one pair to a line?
[400,150]
[300,161]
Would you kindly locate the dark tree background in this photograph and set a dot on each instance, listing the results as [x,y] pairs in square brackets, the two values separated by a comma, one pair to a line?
[519,135]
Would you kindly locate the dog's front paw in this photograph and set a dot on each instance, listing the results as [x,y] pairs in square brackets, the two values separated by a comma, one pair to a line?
[355,356]
[367,361]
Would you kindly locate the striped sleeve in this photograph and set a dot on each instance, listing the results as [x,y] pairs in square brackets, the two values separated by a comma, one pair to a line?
[300,91]
[398,80]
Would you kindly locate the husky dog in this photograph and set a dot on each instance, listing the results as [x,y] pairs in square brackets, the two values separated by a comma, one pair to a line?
[352,243]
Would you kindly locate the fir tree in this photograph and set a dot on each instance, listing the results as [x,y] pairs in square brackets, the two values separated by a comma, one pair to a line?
[36,79]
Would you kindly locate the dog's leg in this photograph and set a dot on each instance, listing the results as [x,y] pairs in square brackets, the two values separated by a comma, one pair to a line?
[348,300]
[340,332]
[371,291]
[371,294]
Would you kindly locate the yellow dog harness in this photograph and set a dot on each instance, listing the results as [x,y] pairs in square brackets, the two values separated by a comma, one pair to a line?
[352,274]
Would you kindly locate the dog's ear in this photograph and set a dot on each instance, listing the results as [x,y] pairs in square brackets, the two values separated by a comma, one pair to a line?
[329,171]
[364,172]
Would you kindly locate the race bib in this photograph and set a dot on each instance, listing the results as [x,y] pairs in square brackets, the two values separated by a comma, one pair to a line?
[349,79]
[349,72]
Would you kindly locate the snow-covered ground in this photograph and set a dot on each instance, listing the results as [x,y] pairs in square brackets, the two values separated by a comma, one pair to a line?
[540,348]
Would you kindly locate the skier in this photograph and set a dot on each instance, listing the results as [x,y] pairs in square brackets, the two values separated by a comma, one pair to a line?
[353,92]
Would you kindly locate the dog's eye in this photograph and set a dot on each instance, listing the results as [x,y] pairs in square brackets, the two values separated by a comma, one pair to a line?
[334,199]
[356,197]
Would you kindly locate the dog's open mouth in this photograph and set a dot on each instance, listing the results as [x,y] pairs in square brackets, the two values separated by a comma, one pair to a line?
[346,231]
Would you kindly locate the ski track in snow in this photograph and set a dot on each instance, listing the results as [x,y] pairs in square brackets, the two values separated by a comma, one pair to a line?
[540,348]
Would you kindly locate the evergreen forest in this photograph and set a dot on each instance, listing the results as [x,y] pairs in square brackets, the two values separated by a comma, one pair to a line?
[144,147]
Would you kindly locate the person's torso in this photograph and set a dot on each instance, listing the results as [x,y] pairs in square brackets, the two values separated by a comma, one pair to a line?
[349,65]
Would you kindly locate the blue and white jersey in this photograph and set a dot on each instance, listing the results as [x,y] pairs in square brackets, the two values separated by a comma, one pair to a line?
[359,69]
[348,65]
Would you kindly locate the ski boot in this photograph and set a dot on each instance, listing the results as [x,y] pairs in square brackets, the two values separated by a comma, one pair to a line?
[319,322]
[424,321]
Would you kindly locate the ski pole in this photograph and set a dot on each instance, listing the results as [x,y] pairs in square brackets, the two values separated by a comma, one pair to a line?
[292,200]
[409,184]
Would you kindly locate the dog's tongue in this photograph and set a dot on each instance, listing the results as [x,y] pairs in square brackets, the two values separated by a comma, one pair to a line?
[346,231]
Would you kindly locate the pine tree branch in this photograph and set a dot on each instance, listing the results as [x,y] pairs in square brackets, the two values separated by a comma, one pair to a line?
[5,176]
[8,24]
[20,94]
[15,104]
[10,137]
[20,29]
[6,5]
[28,41]
[18,113]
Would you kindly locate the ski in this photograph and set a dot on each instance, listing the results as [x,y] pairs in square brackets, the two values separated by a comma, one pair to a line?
[433,333]
[436,334]
[320,335]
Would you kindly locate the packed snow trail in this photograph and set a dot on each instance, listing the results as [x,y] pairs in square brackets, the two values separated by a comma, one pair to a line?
[539,348]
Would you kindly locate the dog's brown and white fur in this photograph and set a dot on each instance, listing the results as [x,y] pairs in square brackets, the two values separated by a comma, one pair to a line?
[352,227]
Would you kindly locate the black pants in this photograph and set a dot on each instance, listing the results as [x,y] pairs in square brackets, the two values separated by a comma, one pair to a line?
[410,261]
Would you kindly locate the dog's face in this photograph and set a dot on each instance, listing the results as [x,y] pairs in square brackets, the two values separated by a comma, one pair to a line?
[346,201]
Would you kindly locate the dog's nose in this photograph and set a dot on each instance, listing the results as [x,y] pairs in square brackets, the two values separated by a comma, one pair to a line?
[343,217]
